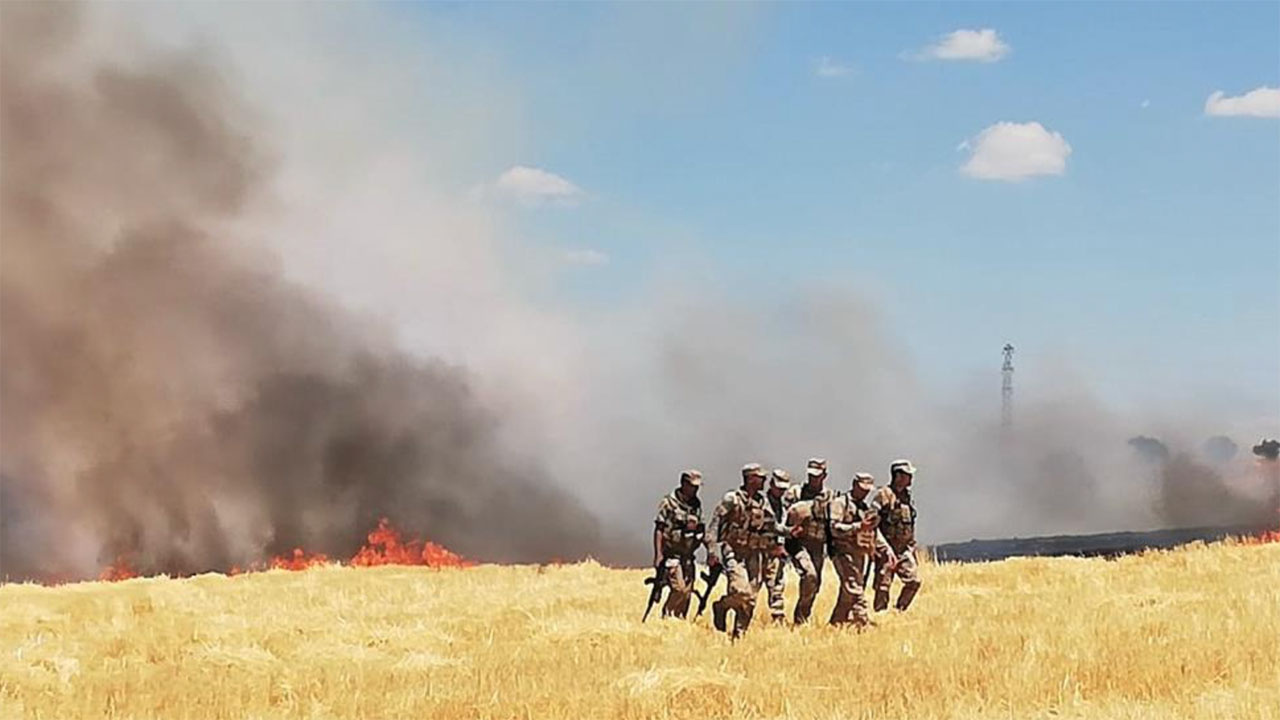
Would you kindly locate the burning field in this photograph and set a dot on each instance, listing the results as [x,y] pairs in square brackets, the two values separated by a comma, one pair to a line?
[232,329]
[384,546]
[1188,633]
[282,371]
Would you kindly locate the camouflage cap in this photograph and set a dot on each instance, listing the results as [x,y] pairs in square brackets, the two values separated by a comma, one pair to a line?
[902,465]
[816,462]
[752,469]
[865,481]
[693,477]
[780,479]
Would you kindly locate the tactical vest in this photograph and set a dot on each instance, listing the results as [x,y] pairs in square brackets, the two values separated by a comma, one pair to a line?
[747,524]
[778,510]
[777,506]
[682,526]
[815,523]
[846,510]
[898,521]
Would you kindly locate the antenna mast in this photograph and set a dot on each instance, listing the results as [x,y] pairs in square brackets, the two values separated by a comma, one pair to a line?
[1006,390]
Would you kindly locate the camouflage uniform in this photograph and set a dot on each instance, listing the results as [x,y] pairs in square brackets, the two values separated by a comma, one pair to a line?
[741,532]
[808,551]
[775,564]
[853,542]
[898,524]
[680,523]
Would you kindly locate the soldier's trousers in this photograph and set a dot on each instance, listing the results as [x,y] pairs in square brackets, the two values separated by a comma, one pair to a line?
[808,560]
[851,603]
[775,567]
[744,574]
[907,570]
[681,574]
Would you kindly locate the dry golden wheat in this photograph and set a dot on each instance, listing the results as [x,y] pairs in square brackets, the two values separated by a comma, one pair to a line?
[1190,633]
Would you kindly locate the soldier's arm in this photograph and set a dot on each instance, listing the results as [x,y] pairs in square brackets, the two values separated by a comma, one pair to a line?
[882,545]
[659,524]
[842,528]
[884,552]
[878,503]
[871,518]
[837,510]
[780,528]
[711,539]
[881,499]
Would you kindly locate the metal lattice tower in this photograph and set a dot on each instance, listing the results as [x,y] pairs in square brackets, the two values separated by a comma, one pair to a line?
[1006,389]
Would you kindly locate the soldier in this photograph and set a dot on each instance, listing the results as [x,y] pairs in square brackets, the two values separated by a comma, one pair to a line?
[898,523]
[742,531]
[776,563]
[677,532]
[808,527]
[854,538]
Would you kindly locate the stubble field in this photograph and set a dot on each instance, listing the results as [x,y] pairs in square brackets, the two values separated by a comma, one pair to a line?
[1190,633]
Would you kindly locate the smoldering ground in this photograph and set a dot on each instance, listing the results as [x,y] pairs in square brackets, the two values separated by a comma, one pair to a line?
[167,396]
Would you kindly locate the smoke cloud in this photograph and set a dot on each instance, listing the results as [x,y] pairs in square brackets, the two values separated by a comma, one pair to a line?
[166,394]
[727,380]
[247,312]
[1220,449]
[1150,449]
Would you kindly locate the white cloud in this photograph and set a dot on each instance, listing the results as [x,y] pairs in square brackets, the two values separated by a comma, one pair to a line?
[1259,102]
[586,257]
[532,186]
[982,45]
[828,68]
[1016,151]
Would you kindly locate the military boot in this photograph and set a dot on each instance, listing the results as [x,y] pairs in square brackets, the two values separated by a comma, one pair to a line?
[882,600]
[719,615]
[907,595]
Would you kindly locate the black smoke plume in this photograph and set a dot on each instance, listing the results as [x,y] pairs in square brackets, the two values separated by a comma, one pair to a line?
[164,393]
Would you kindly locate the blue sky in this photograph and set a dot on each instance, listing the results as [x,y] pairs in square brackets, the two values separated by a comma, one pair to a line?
[705,137]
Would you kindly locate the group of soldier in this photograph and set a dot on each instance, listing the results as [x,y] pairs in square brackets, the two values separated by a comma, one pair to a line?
[768,523]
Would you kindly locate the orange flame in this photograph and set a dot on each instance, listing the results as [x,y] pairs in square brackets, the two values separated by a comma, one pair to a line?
[1270,536]
[1263,538]
[121,569]
[298,560]
[384,546]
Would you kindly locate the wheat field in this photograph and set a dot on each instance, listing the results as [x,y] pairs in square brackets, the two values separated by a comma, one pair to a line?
[1190,633]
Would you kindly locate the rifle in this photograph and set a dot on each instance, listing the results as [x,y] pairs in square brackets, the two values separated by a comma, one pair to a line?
[711,579]
[658,581]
